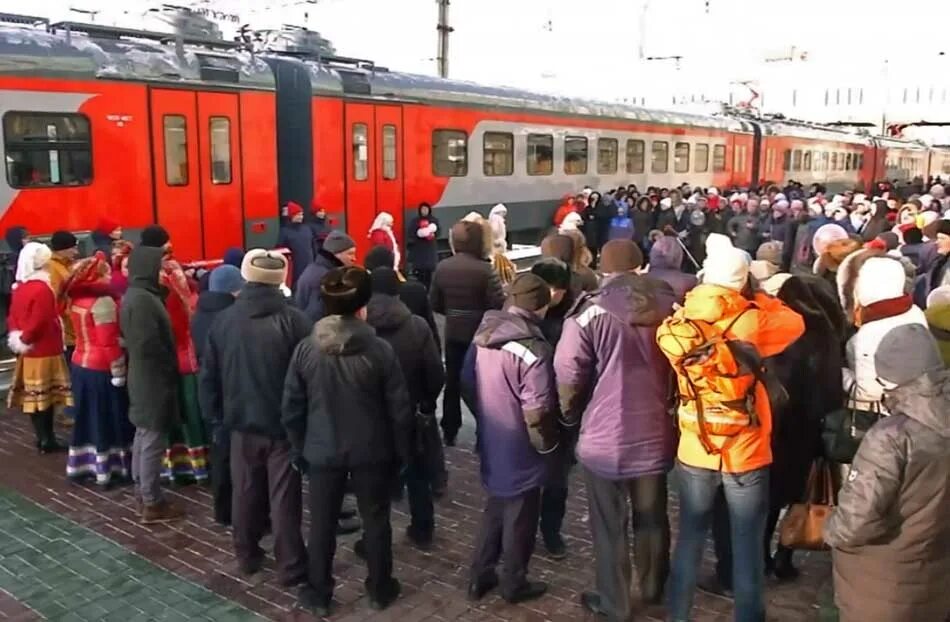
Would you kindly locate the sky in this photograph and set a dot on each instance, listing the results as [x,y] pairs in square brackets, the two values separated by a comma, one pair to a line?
[591,48]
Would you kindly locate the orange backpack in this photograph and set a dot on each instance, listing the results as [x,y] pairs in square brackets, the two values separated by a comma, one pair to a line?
[716,376]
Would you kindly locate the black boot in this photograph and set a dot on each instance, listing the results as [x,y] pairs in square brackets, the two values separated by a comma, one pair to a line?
[48,443]
[782,565]
[37,421]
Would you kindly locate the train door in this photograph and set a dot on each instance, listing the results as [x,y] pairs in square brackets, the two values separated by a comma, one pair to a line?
[389,174]
[360,172]
[176,173]
[222,214]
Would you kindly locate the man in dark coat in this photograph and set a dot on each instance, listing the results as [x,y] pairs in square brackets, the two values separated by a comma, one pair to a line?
[421,364]
[463,288]
[615,384]
[152,380]
[225,283]
[339,250]
[421,240]
[241,386]
[298,237]
[412,292]
[889,532]
[347,413]
[509,386]
[320,227]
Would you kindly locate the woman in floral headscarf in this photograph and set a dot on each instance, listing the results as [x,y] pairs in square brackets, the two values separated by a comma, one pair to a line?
[40,386]
[102,435]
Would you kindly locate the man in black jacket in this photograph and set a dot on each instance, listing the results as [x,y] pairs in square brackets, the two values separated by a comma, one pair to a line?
[241,384]
[463,288]
[421,365]
[347,414]
[152,380]
[225,282]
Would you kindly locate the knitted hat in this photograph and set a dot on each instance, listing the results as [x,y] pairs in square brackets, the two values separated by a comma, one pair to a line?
[225,279]
[728,267]
[666,254]
[233,257]
[880,278]
[293,209]
[107,225]
[63,240]
[620,256]
[905,353]
[827,234]
[555,272]
[529,292]
[913,235]
[385,280]
[939,296]
[155,236]
[770,252]
[346,290]
[379,257]
[266,267]
[338,242]
[558,246]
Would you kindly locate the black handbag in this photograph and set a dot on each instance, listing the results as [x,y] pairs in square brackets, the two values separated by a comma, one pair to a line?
[843,429]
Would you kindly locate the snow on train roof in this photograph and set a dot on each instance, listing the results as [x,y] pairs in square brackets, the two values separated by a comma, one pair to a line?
[32,51]
[774,127]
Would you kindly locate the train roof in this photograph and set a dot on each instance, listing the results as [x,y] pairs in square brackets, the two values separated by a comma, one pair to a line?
[775,127]
[85,51]
[891,142]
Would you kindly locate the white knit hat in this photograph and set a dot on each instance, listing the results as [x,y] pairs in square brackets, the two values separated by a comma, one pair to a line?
[728,267]
[880,278]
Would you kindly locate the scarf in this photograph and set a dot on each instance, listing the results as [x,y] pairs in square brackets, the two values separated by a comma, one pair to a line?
[32,262]
[883,309]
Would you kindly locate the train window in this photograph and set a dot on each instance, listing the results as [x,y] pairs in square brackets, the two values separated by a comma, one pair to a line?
[859,161]
[498,153]
[681,158]
[389,152]
[360,152]
[636,155]
[47,149]
[575,155]
[540,154]
[607,154]
[719,158]
[824,160]
[849,162]
[175,129]
[702,158]
[787,160]
[660,158]
[449,153]
[220,130]
[797,160]
[806,161]
[834,161]
[840,161]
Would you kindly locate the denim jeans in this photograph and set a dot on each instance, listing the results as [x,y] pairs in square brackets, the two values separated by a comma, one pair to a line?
[747,501]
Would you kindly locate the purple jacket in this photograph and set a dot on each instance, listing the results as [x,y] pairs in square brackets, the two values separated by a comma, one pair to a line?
[614,381]
[508,382]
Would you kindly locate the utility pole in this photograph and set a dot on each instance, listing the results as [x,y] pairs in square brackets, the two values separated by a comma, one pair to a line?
[444,31]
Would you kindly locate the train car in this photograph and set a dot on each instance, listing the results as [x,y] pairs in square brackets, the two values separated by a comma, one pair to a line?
[901,160]
[940,162]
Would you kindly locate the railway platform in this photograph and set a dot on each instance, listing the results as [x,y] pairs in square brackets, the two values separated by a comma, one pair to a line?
[71,553]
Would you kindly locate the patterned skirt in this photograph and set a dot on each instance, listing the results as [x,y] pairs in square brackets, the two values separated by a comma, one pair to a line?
[40,384]
[102,435]
[186,460]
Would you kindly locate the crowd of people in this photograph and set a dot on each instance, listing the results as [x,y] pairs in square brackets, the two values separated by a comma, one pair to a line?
[714,335]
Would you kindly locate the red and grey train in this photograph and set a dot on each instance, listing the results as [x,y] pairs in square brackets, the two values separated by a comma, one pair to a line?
[209,138]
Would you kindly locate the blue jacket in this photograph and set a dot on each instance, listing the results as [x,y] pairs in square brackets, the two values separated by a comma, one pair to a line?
[298,237]
[307,290]
[508,382]
[621,228]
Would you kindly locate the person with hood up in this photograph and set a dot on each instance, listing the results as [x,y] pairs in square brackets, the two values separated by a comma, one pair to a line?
[422,245]
[913,243]
[339,250]
[298,237]
[666,260]
[499,230]
[938,318]
[226,283]
[581,260]
[242,386]
[564,209]
[562,247]
[464,287]
[320,226]
[40,386]
[107,233]
[381,234]
[880,304]
[347,412]
[889,530]
[621,225]
[615,384]
[572,222]
[421,365]
[716,329]
[644,221]
[510,387]
[591,227]
[120,267]
[154,407]
[102,435]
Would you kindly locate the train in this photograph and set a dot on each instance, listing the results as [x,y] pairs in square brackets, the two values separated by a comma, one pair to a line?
[209,138]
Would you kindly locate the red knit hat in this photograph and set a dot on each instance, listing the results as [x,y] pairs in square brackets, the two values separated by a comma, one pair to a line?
[293,209]
[107,225]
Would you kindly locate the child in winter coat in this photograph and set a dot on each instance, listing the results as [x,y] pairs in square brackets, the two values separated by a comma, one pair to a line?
[621,225]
